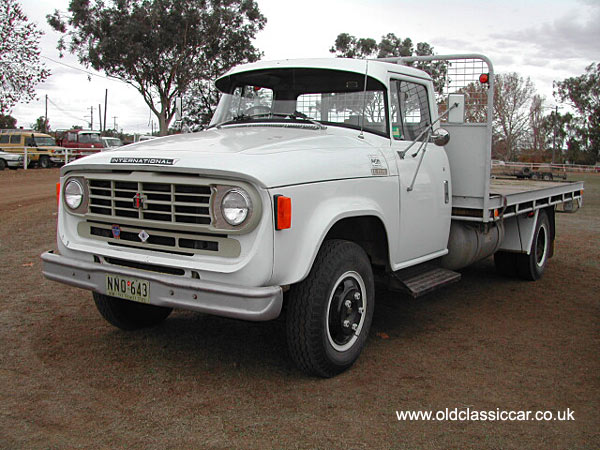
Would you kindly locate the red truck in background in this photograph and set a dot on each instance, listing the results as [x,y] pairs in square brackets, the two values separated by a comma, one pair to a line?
[83,142]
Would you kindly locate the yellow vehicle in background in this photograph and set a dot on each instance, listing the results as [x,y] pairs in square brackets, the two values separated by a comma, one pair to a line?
[41,148]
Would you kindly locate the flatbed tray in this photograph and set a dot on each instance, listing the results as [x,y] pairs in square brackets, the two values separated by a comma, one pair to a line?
[511,196]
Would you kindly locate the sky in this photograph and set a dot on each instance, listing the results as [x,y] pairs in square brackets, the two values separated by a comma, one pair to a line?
[545,40]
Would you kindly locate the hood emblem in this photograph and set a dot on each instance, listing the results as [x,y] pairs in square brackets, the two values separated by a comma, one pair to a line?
[143,236]
[147,161]
[139,201]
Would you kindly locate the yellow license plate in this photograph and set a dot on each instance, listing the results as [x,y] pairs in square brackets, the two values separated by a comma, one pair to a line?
[128,288]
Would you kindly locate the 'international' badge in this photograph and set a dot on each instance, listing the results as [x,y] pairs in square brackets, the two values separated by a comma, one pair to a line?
[143,236]
[116,231]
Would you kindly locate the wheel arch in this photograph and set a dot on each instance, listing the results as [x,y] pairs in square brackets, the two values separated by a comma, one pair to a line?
[368,231]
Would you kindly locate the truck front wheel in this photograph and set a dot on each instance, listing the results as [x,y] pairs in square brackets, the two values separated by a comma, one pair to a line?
[531,267]
[329,314]
[129,315]
[44,162]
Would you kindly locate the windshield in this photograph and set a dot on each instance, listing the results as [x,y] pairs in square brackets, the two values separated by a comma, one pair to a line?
[112,142]
[87,138]
[330,97]
[45,141]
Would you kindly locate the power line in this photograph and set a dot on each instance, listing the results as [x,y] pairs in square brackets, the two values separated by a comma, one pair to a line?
[65,112]
[85,71]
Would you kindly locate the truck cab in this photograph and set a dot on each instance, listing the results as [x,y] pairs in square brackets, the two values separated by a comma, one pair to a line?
[41,148]
[84,141]
[314,179]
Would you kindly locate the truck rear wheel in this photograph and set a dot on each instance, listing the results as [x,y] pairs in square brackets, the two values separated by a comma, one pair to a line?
[531,267]
[329,314]
[129,315]
[2,164]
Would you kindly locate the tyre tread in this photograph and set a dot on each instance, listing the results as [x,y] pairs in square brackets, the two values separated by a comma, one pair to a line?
[304,314]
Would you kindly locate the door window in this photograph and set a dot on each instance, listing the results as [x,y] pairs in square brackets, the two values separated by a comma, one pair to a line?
[410,110]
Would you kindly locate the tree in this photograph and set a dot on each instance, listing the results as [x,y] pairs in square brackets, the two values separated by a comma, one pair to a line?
[41,125]
[160,47]
[512,100]
[390,45]
[539,126]
[7,121]
[20,66]
[583,95]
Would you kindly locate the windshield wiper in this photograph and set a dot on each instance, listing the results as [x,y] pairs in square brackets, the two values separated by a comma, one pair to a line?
[239,118]
[299,115]
[294,115]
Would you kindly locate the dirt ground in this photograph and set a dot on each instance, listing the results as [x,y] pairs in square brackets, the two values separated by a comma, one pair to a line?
[70,380]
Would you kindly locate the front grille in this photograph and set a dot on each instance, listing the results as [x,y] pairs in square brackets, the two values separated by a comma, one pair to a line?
[167,213]
[150,201]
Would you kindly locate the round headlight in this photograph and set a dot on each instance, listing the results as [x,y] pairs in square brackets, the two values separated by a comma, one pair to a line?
[73,194]
[236,206]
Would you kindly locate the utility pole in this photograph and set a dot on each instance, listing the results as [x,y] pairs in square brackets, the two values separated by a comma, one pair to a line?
[46,116]
[554,136]
[100,116]
[105,105]
[91,117]
[114,122]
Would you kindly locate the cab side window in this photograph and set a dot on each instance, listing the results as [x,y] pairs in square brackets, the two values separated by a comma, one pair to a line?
[410,110]
[15,139]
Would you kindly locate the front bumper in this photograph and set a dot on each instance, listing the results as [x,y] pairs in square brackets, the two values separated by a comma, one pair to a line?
[15,163]
[247,303]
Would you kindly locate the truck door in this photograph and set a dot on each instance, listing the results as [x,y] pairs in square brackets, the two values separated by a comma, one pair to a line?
[425,207]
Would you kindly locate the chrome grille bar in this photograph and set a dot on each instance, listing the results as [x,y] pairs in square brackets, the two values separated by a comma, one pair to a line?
[159,202]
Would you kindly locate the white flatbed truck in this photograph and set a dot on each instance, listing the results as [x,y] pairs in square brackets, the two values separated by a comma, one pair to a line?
[314,178]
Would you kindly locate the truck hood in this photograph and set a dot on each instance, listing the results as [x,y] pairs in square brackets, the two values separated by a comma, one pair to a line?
[270,155]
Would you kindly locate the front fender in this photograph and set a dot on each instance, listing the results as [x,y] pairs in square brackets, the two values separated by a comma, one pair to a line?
[316,208]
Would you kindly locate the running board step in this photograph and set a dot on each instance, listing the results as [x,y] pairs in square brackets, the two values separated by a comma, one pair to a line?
[422,279]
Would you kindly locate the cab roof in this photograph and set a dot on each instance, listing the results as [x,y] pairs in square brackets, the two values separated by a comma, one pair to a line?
[27,132]
[377,69]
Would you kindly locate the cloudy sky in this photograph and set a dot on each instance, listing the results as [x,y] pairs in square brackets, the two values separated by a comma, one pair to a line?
[543,39]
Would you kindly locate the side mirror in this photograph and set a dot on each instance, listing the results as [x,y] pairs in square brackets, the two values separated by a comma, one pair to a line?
[441,137]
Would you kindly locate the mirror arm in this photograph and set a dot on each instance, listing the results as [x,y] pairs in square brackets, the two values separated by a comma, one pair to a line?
[424,144]
[426,130]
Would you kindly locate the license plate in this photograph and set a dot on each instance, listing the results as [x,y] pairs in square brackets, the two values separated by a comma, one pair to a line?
[128,288]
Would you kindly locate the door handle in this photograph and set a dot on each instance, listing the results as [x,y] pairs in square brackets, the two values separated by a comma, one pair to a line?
[446,192]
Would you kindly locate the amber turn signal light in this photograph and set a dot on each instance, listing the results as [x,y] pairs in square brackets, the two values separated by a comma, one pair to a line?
[283,212]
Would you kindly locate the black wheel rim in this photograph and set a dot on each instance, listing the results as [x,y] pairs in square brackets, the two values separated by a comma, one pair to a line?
[346,311]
